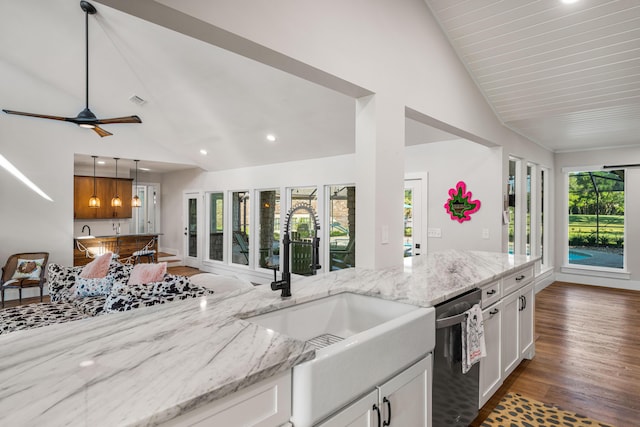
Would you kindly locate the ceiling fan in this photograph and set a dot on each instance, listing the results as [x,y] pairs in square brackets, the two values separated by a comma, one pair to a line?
[86,118]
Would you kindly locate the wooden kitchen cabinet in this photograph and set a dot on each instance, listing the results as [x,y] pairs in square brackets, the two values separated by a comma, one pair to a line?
[105,190]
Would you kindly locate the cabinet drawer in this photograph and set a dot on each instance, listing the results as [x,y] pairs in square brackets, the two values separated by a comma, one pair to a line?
[516,280]
[490,294]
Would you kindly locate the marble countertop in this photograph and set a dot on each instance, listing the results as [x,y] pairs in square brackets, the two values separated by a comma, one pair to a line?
[149,365]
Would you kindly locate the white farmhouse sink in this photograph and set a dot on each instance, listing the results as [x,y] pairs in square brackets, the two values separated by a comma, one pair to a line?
[361,340]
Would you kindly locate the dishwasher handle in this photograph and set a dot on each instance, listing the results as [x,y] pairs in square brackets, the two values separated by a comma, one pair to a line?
[445,322]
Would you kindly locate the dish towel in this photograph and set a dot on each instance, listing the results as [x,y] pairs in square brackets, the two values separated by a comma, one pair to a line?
[473,347]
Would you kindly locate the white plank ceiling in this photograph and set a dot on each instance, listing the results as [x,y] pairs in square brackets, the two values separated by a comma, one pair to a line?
[566,76]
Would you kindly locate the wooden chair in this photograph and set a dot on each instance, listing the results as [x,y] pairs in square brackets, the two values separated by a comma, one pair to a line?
[16,273]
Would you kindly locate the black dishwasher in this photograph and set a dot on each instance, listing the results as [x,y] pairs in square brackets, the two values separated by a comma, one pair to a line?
[455,395]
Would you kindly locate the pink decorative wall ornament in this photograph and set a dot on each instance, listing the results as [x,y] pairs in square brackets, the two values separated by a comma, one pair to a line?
[460,206]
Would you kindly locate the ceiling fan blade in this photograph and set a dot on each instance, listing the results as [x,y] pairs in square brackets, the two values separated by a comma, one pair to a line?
[101,131]
[128,119]
[40,116]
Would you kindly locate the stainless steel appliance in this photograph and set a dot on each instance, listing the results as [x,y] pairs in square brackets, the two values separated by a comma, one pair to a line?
[455,395]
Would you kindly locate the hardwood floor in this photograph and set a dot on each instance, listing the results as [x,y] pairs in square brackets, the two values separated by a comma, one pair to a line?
[587,354]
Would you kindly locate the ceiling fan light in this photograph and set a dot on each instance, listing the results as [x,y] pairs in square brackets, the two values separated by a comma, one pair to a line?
[87,126]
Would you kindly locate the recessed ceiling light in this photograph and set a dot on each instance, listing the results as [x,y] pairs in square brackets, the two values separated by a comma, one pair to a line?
[569,1]
[203,152]
[101,162]
[271,137]
[144,169]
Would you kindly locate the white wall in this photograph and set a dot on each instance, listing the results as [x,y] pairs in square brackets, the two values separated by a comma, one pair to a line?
[632,213]
[480,168]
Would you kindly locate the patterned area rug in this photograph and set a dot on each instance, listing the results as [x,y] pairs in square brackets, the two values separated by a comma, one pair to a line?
[515,410]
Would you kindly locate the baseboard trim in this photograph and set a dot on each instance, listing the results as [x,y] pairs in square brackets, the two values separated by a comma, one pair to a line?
[607,282]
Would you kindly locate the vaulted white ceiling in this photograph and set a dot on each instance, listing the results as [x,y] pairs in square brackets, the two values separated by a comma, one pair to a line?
[564,75]
[567,77]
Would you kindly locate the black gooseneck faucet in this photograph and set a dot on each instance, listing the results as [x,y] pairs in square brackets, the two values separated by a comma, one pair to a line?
[284,284]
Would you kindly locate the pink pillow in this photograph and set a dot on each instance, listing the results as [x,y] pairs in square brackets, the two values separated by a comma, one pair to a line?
[147,273]
[98,268]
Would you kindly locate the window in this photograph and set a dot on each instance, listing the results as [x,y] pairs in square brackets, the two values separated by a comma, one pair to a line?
[342,227]
[269,223]
[240,219]
[216,226]
[596,218]
[301,229]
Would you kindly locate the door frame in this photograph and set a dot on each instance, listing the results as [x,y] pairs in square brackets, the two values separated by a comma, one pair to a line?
[420,210]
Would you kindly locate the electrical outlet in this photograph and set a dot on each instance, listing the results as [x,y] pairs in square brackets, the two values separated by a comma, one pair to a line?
[434,232]
[485,233]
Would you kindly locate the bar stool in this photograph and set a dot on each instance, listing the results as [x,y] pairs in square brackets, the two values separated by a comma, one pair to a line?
[149,253]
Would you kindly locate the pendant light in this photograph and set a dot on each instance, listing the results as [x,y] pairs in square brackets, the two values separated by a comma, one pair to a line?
[116,202]
[135,201]
[94,202]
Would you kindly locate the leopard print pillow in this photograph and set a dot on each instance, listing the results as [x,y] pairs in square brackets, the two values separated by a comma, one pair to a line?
[61,281]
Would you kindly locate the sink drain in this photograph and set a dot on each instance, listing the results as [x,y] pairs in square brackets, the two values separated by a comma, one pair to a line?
[324,340]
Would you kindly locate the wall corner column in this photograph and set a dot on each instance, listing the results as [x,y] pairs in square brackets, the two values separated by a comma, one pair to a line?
[380,139]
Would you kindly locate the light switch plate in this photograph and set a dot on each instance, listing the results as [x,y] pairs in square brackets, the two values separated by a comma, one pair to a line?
[434,232]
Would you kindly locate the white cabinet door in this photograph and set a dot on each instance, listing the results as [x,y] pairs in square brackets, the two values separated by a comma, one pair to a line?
[510,332]
[527,309]
[490,366]
[404,399]
[364,412]
[264,404]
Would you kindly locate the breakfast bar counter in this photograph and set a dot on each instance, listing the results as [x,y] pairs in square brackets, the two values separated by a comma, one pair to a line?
[150,365]
[86,247]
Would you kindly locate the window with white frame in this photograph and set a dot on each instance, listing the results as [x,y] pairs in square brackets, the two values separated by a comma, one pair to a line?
[342,226]
[216,226]
[301,229]
[596,218]
[240,227]
[269,229]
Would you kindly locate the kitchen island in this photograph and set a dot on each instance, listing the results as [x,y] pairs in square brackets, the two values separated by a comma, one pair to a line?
[86,247]
[150,365]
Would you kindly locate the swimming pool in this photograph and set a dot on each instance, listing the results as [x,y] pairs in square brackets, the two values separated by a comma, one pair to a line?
[576,255]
